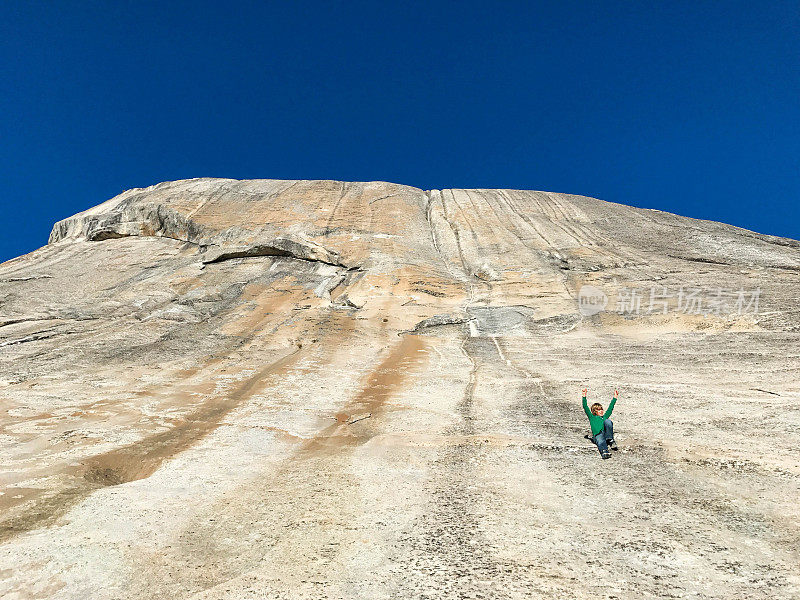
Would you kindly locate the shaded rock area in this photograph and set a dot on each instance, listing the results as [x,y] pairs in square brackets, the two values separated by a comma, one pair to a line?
[214,388]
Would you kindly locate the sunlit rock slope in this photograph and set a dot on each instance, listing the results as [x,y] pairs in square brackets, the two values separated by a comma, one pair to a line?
[315,389]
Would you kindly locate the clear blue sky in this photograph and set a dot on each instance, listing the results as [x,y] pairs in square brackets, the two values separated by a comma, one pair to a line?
[689,107]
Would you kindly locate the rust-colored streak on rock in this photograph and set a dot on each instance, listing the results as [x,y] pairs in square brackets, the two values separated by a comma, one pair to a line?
[140,459]
[390,374]
[384,381]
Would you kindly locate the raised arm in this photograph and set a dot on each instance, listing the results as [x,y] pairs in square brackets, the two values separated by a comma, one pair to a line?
[607,414]
[585,405]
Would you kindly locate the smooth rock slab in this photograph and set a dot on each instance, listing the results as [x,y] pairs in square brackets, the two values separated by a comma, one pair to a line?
[318,389]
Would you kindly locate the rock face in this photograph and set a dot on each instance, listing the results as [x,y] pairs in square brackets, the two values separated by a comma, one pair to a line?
[314,389]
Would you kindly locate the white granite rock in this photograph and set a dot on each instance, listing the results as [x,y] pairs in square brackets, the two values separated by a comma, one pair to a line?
[315,389]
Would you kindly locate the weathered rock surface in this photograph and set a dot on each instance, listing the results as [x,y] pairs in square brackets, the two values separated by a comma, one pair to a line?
[314,389]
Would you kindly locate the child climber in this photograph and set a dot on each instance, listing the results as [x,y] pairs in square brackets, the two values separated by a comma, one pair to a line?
[602,427]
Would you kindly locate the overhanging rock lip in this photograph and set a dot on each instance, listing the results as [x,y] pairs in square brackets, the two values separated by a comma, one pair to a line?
[279,246]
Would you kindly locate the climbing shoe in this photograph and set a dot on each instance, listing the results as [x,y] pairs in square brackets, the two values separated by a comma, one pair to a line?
[613,445]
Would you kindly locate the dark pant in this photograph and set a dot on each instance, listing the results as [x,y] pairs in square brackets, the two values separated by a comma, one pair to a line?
[605,437]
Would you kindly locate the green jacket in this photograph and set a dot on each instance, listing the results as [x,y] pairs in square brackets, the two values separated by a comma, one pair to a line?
[596,422]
